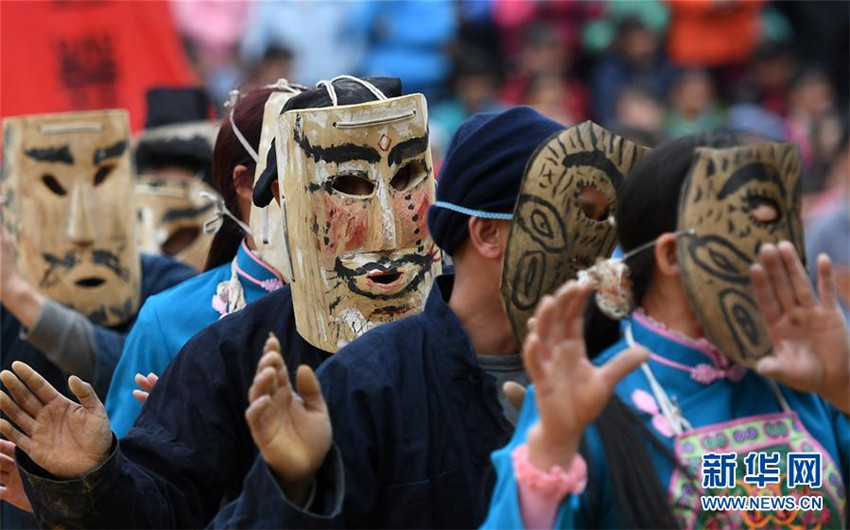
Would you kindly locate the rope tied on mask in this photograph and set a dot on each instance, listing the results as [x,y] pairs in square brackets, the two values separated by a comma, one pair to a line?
[281,85]
[329,87]
[610,278]
[214,223]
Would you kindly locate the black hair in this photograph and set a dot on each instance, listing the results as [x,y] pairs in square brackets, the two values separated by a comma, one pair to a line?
[647,207]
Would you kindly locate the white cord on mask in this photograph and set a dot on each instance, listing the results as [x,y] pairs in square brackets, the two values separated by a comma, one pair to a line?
[329,87]
[231,104]
[221,211]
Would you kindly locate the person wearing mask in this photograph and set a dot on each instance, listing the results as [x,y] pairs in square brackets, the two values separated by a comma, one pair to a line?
[235,274]
[415,407]
[601,443]
[191,449]
[72,277]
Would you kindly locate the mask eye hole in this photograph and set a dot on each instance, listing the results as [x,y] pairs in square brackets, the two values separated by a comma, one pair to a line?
[53,184]
[102,174]
[408,176]
[355,184]
[180,239]
[593,203]
[764,210]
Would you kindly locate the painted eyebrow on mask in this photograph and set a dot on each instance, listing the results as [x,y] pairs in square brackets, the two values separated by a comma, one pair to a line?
[408,149]
[337,154]
[60,154]
[115,150]
[750,172]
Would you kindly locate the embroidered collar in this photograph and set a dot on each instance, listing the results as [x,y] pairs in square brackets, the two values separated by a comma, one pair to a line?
[252,269]
[698,357]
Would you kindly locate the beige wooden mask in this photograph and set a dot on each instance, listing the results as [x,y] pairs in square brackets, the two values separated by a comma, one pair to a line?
[68,186]
[357,181]
[173,202]
[267,223]
[563,218]
[722,188]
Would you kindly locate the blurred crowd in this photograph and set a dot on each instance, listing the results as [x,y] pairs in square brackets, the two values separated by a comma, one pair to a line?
[650,69]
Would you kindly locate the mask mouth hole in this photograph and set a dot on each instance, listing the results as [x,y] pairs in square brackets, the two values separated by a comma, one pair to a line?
[355,184]
[593,203]
[90,282]
[180,240]
[384,278]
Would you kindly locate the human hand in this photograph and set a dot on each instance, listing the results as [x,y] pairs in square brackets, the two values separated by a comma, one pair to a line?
[811,347]
[67,439]
[146,384]
[292,430]
[570,390]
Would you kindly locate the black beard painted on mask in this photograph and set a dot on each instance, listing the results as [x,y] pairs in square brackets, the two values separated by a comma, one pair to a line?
[421,264]
[72,258]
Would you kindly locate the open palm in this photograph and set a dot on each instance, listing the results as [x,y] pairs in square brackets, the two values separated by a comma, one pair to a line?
[292,430]
[811,348]
[65,438]
[571,391]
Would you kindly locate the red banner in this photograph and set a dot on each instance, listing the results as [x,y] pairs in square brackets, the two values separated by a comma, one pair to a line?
[62,55]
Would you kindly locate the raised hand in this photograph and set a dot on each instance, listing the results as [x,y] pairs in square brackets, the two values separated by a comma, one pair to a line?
[811,346]
[292,431]
[65,438]
[146,384]
[12,489]
[571,391]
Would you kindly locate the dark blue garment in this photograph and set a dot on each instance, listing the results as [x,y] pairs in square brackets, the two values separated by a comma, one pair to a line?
[190,448]
[414,419]
[158,274]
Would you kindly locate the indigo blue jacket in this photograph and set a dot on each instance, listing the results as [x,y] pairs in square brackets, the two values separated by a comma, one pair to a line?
[190,449]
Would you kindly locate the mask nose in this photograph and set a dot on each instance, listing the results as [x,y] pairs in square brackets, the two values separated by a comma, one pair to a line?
[387,228]
[80,227]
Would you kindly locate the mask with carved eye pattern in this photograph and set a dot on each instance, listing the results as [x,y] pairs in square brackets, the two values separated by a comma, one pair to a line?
[68,185]
[563,218]
[735,200]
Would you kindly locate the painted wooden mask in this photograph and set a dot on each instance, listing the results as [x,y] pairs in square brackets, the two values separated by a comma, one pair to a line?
[357,181]
[172,200]
[68,185]
[267,222]
[717,202]
[563,218]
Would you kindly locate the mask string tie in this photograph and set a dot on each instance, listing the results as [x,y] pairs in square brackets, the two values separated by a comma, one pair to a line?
[329,87]
[231,104]
[221,211]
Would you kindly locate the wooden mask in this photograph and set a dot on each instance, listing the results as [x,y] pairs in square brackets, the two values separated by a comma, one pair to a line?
[357,181]
[68,185]
[563,218]
[173,202]
[722,188]
[267,223]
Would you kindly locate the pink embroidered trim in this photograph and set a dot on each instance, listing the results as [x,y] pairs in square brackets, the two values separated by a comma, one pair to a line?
[270,285]
[261,263]
[704,373]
